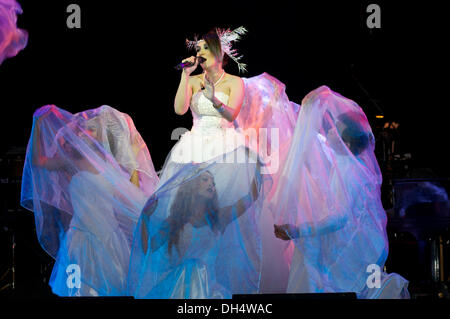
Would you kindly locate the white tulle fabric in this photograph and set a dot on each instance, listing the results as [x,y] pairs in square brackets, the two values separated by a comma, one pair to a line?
[269,117]
[219,254]
[118,135]
[329,195]
[76,180]
[312,168]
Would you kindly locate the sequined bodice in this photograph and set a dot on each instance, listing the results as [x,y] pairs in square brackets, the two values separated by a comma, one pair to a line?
[205,116]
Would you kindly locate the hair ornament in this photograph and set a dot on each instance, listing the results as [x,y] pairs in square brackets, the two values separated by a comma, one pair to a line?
[226,37]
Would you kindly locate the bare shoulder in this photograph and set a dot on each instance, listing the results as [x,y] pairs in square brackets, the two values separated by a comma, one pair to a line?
[235,81]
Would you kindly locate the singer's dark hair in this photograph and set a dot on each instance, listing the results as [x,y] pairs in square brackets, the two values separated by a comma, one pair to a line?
[213,41]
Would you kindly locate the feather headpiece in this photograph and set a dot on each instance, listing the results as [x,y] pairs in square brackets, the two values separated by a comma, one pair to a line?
[226,38]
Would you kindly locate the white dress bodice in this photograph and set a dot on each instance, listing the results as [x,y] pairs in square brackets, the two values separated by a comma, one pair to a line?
[206,117]
[211,134]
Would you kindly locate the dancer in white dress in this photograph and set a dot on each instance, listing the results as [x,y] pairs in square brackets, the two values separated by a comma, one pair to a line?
[86,178]
[328,202]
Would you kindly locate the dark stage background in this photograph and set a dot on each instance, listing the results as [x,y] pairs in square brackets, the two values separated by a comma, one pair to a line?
[124,54]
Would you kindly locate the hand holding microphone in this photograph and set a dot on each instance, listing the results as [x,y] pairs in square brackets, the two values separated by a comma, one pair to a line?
[190,64]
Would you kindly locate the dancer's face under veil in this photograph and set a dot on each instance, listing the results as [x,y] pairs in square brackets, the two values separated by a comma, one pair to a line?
[349,132]
[68,149]
[206,186]
[194,198]
[92,128]
[92,131]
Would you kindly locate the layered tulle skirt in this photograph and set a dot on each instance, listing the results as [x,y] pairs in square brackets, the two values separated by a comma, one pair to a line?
[198,235]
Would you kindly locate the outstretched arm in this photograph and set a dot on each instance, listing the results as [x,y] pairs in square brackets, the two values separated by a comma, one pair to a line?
[163,233]
[147,212]
[229,213]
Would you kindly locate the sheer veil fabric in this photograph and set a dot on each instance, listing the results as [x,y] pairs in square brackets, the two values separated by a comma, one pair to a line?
[12,38]
[204,228]
[76,180]
[329,195]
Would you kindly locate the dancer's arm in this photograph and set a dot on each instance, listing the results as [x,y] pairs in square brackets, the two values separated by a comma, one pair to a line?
[232,212]
[163,234]
[289,231]
[147,212]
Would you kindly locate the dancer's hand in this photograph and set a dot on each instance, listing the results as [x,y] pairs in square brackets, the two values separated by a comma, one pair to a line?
[208,89]
[286,231]
[190,69]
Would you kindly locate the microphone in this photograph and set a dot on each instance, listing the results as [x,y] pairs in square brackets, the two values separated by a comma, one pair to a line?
[188,64]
